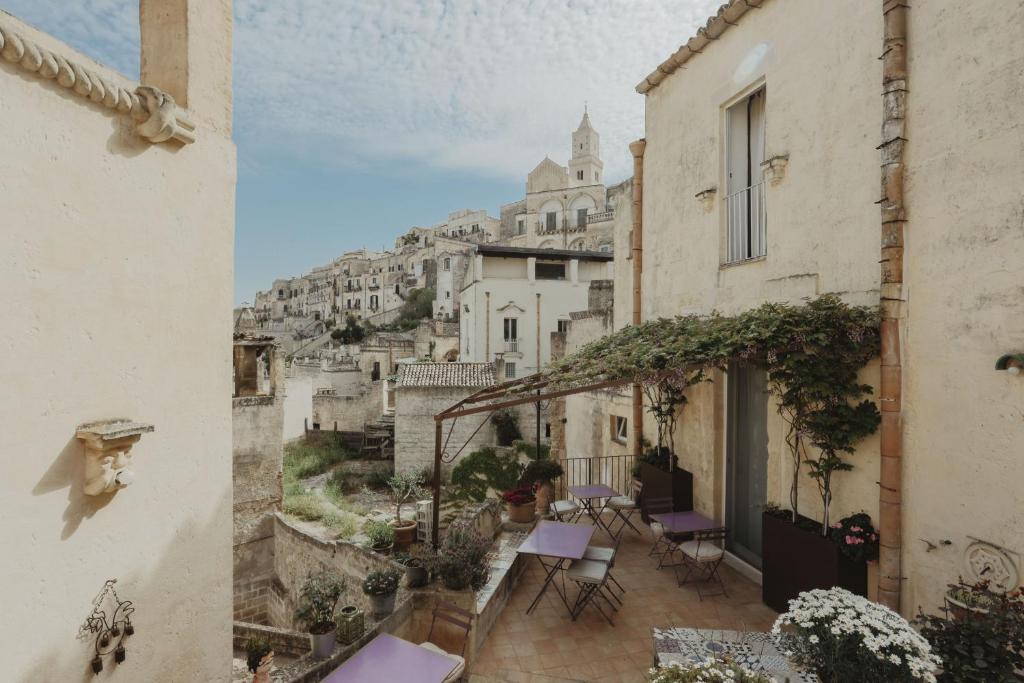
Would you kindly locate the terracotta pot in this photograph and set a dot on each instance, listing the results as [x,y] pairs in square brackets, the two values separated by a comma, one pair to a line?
[961,610]
[545,495]
[405,534]
[262,674]
[522,514]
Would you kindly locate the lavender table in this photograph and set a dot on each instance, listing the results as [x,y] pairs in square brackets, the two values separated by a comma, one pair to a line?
[684,522]
[558,541]
[587,495]
[387,658]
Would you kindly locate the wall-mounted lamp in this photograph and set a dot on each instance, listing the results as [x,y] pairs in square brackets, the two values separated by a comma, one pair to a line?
[108,446]
[1013,363]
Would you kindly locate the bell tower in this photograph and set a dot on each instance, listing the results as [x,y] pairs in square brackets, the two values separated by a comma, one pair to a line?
[585,166]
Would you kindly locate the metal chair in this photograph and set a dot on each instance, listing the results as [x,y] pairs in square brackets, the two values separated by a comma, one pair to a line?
[567,509]
[591,577]
[462,620]
[624,507]
[704,554]
[665,542]
[607,555]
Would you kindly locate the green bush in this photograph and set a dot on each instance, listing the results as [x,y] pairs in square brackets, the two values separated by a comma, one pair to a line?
[484,470]
[304,460]
[506,427]
[530,450]
[336,486]
[317,599]
[379,534]
[378,476]
[304,506]
[343,525]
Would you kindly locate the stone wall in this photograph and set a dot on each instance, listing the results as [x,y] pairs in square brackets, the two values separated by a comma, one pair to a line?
[415,408]
[348,413]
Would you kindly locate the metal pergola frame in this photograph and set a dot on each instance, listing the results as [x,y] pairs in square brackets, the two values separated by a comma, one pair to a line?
[490,399]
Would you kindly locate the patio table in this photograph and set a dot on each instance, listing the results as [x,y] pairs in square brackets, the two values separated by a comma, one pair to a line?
[560,542]
[587,495]
[387,658]
[685,522]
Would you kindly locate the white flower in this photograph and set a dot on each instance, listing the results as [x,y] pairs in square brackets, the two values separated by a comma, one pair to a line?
[813,638]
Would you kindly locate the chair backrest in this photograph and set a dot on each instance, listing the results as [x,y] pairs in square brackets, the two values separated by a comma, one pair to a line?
[635,488]
[654,506]
[711,536]
[459,617]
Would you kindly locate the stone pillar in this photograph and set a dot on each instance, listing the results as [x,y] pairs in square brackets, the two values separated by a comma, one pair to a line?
[531,268]
[574,270]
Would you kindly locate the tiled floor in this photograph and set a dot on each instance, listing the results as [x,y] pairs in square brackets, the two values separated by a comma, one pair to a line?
[547,647]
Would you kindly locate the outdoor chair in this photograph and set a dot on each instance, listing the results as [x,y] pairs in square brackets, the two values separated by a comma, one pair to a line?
[607,555]
[624,507]
[565,510]
[463,621]
[591,577]
[703,554]
[665,542]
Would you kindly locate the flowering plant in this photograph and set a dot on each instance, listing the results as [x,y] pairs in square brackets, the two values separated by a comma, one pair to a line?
[705,672]
[317,599]
[461,560]
[521,495]
[856,537]
[381,582]
[847,638]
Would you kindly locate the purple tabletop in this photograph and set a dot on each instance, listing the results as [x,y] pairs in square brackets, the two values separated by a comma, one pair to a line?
[684,522]
[387,658]
[597,491]
[558,539]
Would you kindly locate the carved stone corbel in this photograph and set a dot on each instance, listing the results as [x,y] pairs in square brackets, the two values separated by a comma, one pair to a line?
[774,168]
[707,198]
[164,120]
[108,446]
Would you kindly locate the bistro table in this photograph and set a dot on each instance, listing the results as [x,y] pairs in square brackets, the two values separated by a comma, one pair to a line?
[587,495]
[688,522]
[556,541]
[387,658]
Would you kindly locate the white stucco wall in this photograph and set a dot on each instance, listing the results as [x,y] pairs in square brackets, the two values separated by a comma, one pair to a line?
[117,258]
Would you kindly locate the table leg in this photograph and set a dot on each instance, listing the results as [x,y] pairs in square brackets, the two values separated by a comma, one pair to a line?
[595,515]
[555,567]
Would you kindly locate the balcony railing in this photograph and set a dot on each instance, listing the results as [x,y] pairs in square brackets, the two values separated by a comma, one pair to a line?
[746,222]
[511,346]
[614,471]
[600,216]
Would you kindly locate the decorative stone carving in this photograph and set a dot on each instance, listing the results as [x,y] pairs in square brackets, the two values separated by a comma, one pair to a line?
[984,561]
[707,198]
[159,118]
[774,169]
[108,446]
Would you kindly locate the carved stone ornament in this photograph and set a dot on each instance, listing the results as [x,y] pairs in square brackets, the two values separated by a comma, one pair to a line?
[108,446]
[984,561]
[774,169]
[157,116]
[707,198]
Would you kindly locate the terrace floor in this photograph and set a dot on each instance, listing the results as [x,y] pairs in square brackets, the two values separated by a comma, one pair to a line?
[548,647]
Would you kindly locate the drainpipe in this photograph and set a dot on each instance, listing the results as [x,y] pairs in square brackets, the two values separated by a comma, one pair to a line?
[637,250]
[893,215]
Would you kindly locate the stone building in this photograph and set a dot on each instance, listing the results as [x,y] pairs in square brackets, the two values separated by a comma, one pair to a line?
[423,390]
[771,192]
[118,204]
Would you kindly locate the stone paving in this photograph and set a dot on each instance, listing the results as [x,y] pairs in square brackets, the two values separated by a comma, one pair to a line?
[548,647]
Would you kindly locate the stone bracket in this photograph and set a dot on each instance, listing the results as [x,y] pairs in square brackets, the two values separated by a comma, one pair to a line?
[108,445]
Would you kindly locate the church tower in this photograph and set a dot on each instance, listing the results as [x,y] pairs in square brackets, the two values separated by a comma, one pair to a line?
[585,166]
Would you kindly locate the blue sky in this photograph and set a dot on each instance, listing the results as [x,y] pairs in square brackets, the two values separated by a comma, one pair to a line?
[355,120]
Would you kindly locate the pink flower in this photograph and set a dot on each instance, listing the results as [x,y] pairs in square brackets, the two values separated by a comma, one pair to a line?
[849,540]
[855,528]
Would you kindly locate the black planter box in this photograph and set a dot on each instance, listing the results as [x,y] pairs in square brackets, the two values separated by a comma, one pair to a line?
[795,559]
[677,484]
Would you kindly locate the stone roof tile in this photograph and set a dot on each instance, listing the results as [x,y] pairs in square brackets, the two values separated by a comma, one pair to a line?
[445,375]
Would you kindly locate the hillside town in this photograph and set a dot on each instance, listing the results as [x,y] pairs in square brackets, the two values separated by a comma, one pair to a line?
[752,412]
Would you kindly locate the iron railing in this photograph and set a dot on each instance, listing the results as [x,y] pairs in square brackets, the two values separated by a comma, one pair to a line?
[614,471]
[746,222]
[511,346]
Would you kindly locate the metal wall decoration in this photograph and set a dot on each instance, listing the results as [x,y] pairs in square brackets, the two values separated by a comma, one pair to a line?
[110,621]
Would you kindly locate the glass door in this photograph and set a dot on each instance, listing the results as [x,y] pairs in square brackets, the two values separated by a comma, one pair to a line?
[746,471]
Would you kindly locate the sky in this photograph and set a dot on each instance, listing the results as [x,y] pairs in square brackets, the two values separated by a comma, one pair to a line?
[356,120]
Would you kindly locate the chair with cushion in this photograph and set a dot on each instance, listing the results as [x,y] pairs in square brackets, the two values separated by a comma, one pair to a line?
[624,507]
[565,510]
[607,555]
[463,621]
[665,542]
[591,576]
[703,554]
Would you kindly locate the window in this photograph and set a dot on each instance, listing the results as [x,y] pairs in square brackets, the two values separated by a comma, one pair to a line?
[581,218]
[550,271]
[373,302]
[619,429]
[447,294]
[606,248]
[520,226]
[510,370]
[396,290]
[550,220]
[447,264]
[597,176]
[563,326]
[547,430]
[375,373]
[511,329]
[745,216]
[579,175]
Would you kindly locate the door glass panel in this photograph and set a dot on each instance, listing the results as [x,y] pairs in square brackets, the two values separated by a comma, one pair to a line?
[746,461]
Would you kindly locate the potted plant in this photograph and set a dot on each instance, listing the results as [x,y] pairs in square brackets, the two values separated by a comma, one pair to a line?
[405,487]
[521,503]
[846,638]
[462,558]
[380,587]
[980,644]
[417,571]
[317,600]
[380,536]
[259,657]
[541,473]
[708,670]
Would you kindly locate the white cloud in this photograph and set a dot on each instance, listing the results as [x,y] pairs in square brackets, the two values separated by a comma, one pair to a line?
[487,86]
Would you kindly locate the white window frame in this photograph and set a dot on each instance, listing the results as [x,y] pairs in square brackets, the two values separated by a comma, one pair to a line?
[620,429]
[510,370]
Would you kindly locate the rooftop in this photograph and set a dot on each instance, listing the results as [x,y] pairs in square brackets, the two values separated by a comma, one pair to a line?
[445,375]
[526,252]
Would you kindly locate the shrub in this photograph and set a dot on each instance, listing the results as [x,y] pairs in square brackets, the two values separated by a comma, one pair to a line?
[343,525]
[657,456]
[485,470]
[461,560]
[381,582]
[304,460]
[304,506]
[336,486]
[255,650]
[405,487]
[981,646]
[380,534]
[378,476]
[707,671]
[506,427]
[531,451]
[856,537]
[541,470]
[521,495]
[317,599]
[846,638]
